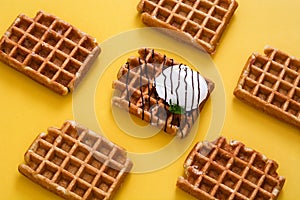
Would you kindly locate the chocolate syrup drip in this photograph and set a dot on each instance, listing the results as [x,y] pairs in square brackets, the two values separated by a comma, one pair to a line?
[152,55]
[127,83]
[148,80]
[193,95]
[154,84]
[165,83]
[171,74]
[179,125]
[171,78]
[141,90]
[185,97]
[176,90]
[165,104]
[154,70]
[198,82]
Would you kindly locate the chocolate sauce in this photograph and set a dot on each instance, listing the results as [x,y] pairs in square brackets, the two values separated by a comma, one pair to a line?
[154,70]
[176,90]
[193,88]
[171,74]
[148,82]
[154,84]
[165,83]
[152,55]
[165,104]
[141,90]
[171,78]
[127,83]
[185,97]
[179,126]
[193,95]
[198,82]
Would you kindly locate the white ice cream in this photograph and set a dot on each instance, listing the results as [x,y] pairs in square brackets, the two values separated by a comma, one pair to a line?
[182,86]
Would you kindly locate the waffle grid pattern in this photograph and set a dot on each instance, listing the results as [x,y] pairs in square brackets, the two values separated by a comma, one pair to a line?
[76,163]
[221,170]
[134,91]
[203,20]
[49,50]
[272,83]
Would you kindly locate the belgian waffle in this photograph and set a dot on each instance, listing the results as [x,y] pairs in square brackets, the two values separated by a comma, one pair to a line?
[76,163]
[201,22]
[48,50]
[134,91]
[221,170]
[271,83]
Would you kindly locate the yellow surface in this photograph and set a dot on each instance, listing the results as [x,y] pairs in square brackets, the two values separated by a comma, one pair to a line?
[28,108]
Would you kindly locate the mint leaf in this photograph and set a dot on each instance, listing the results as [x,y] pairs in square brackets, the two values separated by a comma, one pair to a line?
[176,109]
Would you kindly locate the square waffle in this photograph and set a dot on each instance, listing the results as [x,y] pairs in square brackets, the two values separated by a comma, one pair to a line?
[134,92]
[271,83]
[76,163]
[48,50]
[221,170]
[201,22]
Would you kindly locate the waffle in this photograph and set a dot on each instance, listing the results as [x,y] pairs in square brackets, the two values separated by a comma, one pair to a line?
[76,163]
[134,92]
[221,170]
[200,22]
[48,50]
[271,83]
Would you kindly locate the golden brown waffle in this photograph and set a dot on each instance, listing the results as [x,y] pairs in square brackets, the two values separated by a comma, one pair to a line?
[201,22]
[271,83]
[134,91]
[48,50]
[76,163]
[221,170]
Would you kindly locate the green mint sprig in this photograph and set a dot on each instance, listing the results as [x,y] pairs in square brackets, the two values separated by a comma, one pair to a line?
[176,109]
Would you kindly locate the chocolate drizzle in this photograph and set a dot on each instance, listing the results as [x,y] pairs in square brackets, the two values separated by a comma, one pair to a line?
[176,90]
[198,82]
[193,93]
[154,73]
[171,74]
[154,84]
[165,83]
[185,92]
[141,89]
[185,98]
[180,128]
[186,113]
[127,83]
[177,97]
[165,105]
[171,78]
[148,81]
[152,54]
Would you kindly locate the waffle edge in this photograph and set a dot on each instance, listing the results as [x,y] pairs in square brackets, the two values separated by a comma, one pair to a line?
[24,42]
[37,172]
[288,113]
[198,31]
[220,181]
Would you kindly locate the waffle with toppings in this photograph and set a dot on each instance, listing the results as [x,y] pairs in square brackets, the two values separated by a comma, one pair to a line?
[200,22]
[76,163]
[48,50]
[271,83]
[136,92]
[221,170]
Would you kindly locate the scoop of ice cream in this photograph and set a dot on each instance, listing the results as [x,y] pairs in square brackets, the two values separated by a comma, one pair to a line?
[182,86]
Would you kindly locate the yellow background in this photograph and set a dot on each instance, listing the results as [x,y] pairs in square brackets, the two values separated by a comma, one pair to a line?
[27,108]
